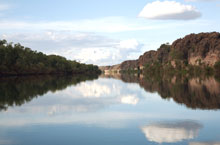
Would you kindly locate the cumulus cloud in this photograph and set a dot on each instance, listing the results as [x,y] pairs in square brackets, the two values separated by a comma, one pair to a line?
[81,40]
[169,10]
[80,46]
[129,44]
[171,132]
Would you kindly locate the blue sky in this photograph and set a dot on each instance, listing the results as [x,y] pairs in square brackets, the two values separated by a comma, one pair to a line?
[104,32]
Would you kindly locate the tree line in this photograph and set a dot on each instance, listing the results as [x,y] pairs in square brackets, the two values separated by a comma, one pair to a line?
[16,59]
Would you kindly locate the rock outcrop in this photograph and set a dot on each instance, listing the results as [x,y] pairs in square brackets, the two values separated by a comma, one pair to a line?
[203,48]
[193,49]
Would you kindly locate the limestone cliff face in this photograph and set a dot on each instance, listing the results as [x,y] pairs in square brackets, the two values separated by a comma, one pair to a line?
[126,65]
[193,49]
[147,57]
[110,68]
[203,48]
[161,55]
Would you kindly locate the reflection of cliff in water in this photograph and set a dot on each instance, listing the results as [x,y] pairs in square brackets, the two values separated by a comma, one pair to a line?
[15,91]
[196,93]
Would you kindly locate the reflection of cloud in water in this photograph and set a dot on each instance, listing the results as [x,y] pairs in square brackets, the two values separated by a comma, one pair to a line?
[78,104]
[59,109]
[67,106]
[129,99]
[93,89]
[92,96]
[171,132]
[100,119]
[204,143]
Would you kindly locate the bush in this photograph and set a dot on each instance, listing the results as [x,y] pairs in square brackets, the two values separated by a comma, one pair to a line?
[217,67]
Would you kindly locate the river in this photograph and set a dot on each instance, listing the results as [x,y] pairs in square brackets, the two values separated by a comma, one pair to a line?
[109,110]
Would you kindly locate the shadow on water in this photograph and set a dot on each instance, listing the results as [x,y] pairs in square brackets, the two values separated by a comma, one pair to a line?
[194,92]
[15,91]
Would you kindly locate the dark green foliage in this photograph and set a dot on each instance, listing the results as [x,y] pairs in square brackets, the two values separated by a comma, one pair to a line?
[18,60]
[163,53]
[179,55]
[154,68]
[217,67]
[181,68]
[209,70]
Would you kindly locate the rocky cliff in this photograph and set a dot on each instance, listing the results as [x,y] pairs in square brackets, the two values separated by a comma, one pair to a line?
[197,49]
[194,49]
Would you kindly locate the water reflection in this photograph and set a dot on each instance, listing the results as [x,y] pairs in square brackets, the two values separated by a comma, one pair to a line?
[171,132]
[78,104]
[107,110]
[15,91]
[195,93]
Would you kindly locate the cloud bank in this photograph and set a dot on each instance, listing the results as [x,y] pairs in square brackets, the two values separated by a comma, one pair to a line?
[169,10]
[80,46]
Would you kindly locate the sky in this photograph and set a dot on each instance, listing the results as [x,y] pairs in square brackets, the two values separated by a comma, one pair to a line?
[104,32]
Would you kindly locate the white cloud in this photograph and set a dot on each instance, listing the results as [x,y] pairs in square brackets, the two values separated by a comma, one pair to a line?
[80,46]
[87,55]
[129,44]
[167,10]
[171,132]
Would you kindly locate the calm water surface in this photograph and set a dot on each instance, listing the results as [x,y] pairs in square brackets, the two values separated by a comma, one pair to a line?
[109,110]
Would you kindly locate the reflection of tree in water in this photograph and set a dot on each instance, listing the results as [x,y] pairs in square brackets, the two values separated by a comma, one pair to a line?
[196,93]
[19,90]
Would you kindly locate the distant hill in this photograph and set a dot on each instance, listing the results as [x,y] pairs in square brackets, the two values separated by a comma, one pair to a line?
[202,50]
